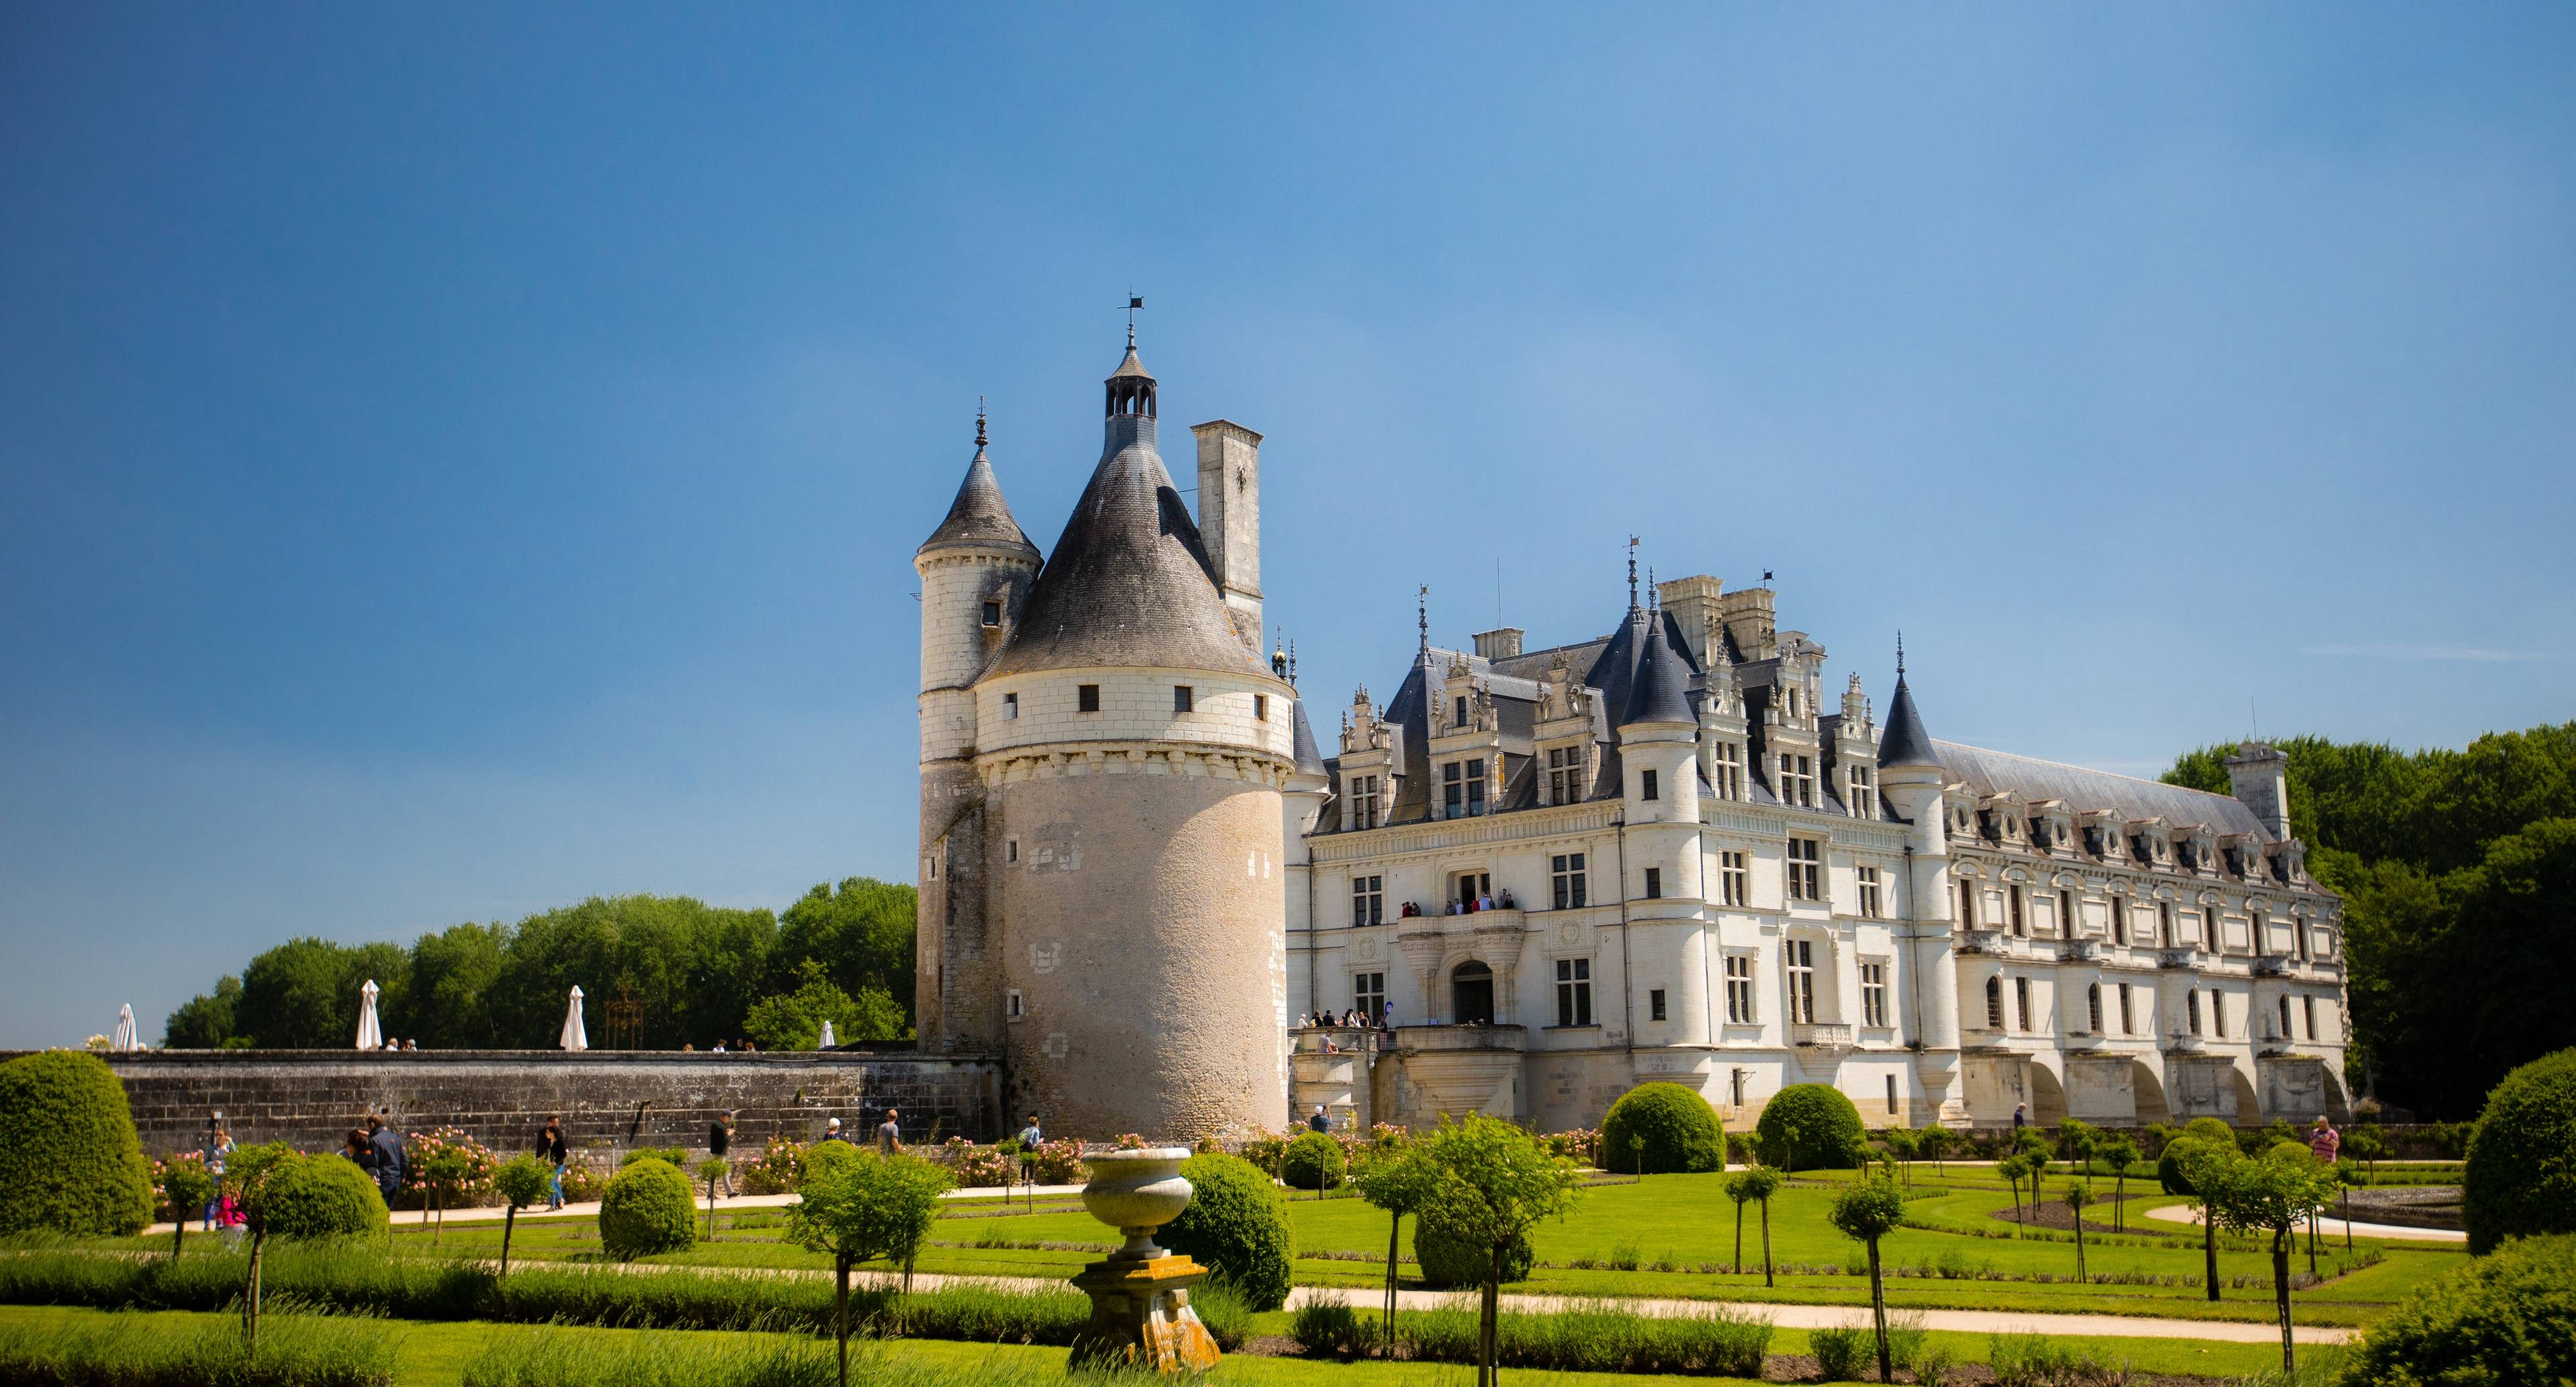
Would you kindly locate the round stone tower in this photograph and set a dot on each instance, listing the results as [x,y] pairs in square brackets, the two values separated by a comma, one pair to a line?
[1134,746]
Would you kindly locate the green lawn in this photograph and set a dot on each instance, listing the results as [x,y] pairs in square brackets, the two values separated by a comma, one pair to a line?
[435,1355]
[1684,1219]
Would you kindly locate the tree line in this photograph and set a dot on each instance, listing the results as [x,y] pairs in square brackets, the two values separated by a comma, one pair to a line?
[701,973]
[2457,869]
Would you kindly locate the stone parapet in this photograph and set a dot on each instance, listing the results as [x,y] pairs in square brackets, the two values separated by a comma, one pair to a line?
[608,1099]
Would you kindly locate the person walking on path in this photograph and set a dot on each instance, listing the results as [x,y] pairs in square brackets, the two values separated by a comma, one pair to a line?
[2324,1141]
[551,1150]
[719,1143]
[389,1157]
[218,1152]
[1031,1138]
[889,1136]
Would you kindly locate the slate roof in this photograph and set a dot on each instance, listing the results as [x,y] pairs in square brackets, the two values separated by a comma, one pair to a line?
[1309,756]
[1985,772]
[1129,582]
[1659,691]
[1905,743]
[979,515]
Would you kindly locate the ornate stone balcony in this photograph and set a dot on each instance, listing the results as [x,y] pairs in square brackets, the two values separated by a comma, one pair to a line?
[1422,1038]
[1831,1036]
[2272,965]
[1983,941]
[2179,956]
[2078,950]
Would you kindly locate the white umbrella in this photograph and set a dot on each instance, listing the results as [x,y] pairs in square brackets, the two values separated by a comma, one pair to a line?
[370,1035]
[574,1037]
[826,1042]
[124,1039]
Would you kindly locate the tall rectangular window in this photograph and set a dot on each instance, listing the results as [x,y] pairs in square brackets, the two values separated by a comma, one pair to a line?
[1655,1004]
[1565,873]
[2285,1017]
[1261,707]
[1735,880]
[2093,1006]
[1798,780]
[2013,909]
[1891,1093]
[1368,995]
[1476,787]
[1363,801]
[1086,698]
[2191,1009]
[1806,869]
[1802,980]
[1565,783]
[2165,925]
[1967,905]
[2128,1025]
[1873,994]
[2021,1002]
[1183,698]
[1453,792]
[1368,901]
[2308,1015]
[1863,791]
[1729,760]
[1646,785]
[2065,914]
[1461,719]
[1870,906]
[1574,992]
[1994,1004]
[2218,1013]
[1739,990]
[1654,883]
[1010,706]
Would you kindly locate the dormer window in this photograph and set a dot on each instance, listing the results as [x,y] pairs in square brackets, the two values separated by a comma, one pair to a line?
[1729,764]
[1461,719]
[1861,792]
[1798,781]
[1462,788]
[1564,774]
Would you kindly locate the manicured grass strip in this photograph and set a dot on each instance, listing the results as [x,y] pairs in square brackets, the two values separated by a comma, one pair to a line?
[148,1351]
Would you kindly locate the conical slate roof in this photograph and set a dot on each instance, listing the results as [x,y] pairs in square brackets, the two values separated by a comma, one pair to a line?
[1132,366]
[1309,756]
[979,515]
[1129,582]
[1660,689]
[1905,742]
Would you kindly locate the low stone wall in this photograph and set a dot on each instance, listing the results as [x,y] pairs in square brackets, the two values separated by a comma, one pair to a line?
[608,1100]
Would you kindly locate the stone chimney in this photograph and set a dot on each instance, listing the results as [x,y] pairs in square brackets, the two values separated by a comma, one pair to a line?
[1230,511]
[2260,776]
[1693,601]
[1501,643]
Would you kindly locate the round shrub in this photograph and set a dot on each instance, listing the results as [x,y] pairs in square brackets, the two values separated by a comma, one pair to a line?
[1314,1162]
[320,1197]
[69,1159]
[1237,1226]
[2169,1175]
[1827,1124]
[2521,1173]
[649,1208]
[2506,1317]
[1674,1126]
[1448,1259]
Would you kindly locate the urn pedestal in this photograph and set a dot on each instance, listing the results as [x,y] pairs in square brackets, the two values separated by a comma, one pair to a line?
[1140,1294]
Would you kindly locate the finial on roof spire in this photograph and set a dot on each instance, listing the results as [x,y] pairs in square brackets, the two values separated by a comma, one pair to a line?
[979,425]
[1654,594]
[1422,616]
[1900,655]
[1632,573]
[1292,664]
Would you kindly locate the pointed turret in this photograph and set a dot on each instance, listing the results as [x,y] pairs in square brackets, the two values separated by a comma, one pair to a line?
[1660,691]
[1906,743]
[979,515]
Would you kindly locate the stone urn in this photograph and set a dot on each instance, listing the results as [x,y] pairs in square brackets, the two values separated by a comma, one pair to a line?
[1136,1192]
[1140,1294]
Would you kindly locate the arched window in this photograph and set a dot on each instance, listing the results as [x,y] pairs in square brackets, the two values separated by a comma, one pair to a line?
[1994,1004]
[2093,1004]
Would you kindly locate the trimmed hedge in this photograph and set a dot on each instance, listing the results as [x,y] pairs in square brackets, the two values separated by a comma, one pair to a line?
[2521,1174]
[1829,1128]
[2508,1317]
[69,1159]
[1237,1226]
[1313,1161]
[1677,1128]
[649,1208]
[321,1197]
[1447,1259]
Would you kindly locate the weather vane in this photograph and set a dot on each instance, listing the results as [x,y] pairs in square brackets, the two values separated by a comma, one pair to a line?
[1133,303]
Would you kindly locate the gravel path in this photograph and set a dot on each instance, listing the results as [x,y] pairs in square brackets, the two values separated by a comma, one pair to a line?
[2328,1227]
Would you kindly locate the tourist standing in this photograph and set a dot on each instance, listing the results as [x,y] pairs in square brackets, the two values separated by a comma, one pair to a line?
[389,1157]
[2021,1117]
[1319,1122]
[2324,1141]
[719,1144]
[551,1150]
[355,1147]
[1031,1138]
[218,1152]
[832,1131]
[889,1136]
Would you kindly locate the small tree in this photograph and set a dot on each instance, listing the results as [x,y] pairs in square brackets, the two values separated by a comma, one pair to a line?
[251,1174]
[188,1188]
[2174,1168]
[2077,1195]
[2035,1162]
[521,1181]
[1739,1187]
[712,1169]
[2012,1168]
[1400,1178]
[2121,1153]
[2366,1143]
[443,1167]
[860,1207]
[1867,1211]
[1760,1183]
[2077,1141]
[2274,1194]
[1496,1183]
[1934,1140]
[1902,1148]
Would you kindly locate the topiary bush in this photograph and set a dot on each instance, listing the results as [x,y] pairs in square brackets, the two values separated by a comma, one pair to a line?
[1659,1128]
[2504,1318]
[69,1159]
[2169,1172]
[1313,1162]
[1447,1259]
[2521,1173]
[321,1197]
[1827,1126]
[1237,1226]
[649,1208]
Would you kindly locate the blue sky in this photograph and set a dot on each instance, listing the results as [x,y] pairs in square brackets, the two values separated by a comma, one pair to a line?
[455,460]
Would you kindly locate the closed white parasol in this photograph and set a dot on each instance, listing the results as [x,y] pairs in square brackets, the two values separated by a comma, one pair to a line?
[371,1036]
[125,1038]
[827,1042]
[574,1037]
